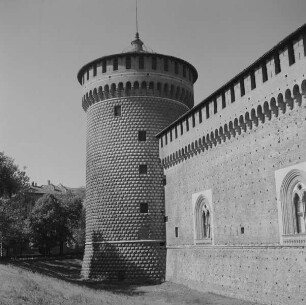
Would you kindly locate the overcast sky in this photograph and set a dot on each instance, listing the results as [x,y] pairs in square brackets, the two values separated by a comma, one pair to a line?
[43,44]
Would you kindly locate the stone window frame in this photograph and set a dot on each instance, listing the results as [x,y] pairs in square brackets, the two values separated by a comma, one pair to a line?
[202,202]
[290,185]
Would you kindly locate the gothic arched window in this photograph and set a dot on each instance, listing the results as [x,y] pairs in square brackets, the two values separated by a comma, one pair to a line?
[202,220]
[293,203]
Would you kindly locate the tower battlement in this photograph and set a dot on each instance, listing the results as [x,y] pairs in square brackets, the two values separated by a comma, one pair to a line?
[137,74]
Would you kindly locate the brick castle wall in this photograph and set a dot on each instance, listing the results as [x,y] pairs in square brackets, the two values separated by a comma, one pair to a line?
[231,150]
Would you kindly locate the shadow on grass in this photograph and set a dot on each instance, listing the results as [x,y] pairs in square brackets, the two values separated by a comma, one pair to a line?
[69,270]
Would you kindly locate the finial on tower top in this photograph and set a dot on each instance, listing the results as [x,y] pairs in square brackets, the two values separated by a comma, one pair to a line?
[137,43]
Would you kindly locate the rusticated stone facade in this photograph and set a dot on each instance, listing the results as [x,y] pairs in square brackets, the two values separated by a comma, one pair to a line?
[129,98]
[235,192]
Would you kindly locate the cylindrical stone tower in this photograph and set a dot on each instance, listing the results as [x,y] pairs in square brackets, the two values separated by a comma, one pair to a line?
[129,97]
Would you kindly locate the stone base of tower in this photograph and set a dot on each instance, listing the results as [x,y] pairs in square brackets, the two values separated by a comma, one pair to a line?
[130,261]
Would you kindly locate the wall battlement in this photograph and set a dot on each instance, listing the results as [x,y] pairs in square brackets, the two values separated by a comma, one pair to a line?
[242,94]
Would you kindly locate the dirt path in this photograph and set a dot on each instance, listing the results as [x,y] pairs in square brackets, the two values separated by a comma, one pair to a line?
[21,286]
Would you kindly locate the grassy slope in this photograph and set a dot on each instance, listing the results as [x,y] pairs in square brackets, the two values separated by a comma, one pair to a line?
[21,286]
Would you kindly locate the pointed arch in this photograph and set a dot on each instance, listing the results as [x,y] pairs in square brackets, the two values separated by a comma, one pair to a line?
[202,220]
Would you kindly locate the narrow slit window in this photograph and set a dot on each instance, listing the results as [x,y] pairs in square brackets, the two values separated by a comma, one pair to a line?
[193,120]
[277,63]
[291,54]
[200,115]
[187,124]
[207,111]
[144,207]
[253,80]
[215,106]
[171,135]
[175,130]
[87,74]
[176,232]
[264,73]
[143,169]
[142,135]
[117,110]
[242,89]
[223,100]
[232,94]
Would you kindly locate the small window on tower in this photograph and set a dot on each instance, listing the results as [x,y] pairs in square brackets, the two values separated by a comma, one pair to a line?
[117,110]
[144,208]
[143,169]
[142,135]
[176,231]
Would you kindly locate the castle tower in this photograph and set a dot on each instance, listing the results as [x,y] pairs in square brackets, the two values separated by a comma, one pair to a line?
[129,98]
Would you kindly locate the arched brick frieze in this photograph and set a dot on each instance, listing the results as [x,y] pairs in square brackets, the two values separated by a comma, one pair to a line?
[289,99]
[303,87]
[266,110]
[237,127]
[246,121]
[280,103]
[297,97]
[242,123]
[273,107]
[260,114]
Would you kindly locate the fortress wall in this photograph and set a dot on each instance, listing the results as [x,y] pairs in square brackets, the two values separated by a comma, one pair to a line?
[235,166]
[240,174]
[269,275]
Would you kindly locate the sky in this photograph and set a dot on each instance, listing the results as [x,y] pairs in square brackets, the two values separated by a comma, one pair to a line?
[43,44]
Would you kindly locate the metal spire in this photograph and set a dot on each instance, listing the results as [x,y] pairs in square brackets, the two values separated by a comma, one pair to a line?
[137,34]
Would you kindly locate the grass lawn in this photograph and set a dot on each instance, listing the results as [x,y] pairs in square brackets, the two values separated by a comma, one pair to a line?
[58,282]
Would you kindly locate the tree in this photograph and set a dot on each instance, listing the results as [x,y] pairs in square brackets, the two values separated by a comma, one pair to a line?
[12,179]
[14,184]
[52,221]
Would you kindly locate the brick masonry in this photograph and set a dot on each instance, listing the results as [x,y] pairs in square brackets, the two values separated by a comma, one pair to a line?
[235,155]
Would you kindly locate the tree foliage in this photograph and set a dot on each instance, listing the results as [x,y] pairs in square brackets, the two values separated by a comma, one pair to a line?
[14,184]
[12,179]
[52,221]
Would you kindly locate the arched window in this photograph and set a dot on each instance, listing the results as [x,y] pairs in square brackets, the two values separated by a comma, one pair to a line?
[136,85]
[143,85]
[202,220]
[293,203]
